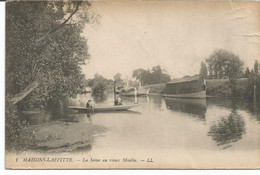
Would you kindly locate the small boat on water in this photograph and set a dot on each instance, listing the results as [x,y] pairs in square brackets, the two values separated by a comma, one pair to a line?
[104,108]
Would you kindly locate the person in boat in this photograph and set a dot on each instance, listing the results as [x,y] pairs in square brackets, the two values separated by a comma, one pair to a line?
[118,101]
[89,104]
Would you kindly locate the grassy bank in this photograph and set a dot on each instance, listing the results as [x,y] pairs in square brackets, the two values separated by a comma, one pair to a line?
[224,88]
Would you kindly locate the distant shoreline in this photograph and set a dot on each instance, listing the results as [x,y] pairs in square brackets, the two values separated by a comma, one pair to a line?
[215,88]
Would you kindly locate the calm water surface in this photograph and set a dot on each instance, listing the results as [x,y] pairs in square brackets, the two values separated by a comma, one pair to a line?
[168,123]
[171,124]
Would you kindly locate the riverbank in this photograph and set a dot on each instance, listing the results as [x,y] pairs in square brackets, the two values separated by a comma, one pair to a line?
[153,88]
[62,136]
[224,88]
[215,88]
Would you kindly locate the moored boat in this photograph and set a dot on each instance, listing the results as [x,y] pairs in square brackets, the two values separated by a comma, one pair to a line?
[201,94]
[187,87]
[195,107]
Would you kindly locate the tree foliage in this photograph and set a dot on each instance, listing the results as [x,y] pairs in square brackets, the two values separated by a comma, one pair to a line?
[17,134]
[118,80]
[203,70]
[155,76]
[99,84]
[254,80]
[44,44]
[247,72]
[256,67]
[224,64]
[140,74]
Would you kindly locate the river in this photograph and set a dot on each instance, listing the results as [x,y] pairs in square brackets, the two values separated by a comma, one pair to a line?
[169,123]
[221,129]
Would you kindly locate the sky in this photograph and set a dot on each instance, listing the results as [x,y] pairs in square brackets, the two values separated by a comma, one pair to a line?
[175,35]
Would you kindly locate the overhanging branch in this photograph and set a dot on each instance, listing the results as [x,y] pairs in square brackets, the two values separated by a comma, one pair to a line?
[60,26]
[18,97]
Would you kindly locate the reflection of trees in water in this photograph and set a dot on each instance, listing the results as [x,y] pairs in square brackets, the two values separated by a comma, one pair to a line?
[157,100]
[36,118]
[256,109]
[228,130]
[100,98]
[252,107]
[196,107]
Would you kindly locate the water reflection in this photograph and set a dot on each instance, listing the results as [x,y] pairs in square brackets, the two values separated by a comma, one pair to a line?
[219,123]
[256,109]
[252,107]
[196,107]
[100,98]
[228,130]
[82,117]
[156,100]
[89,115]
[35,117]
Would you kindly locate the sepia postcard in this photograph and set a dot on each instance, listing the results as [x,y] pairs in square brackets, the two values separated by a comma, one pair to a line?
[132,84]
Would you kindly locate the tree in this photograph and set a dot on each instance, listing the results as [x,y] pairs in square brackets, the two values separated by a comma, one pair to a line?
[99,84]
[159,75]
[155,76]
[139,74]
[44,44]
[256,68]
[118,80]
[255,80]
[225,64]
[44,51]
[247,72]
[203,70]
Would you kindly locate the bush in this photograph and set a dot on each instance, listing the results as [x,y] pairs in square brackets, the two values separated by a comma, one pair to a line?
[17,133]
[224,88]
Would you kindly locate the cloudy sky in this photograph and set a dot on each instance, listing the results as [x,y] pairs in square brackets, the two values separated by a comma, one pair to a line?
[175,35]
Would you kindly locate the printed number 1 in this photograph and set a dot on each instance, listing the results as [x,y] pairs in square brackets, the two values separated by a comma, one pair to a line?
[16,159]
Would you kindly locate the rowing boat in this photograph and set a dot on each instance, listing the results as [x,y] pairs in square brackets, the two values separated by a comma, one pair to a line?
[104,108]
